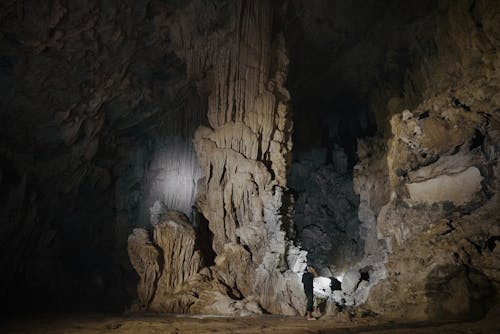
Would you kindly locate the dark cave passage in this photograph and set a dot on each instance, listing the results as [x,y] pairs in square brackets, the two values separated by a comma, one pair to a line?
[337,89]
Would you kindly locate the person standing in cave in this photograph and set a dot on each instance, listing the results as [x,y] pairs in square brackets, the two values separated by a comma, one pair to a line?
[307,280]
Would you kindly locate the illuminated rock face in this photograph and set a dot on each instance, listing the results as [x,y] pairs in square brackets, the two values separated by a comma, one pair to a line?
[457,188]
[165,263]
[175,236]
[433,194]
[243,155]
[440,223]
[114,113]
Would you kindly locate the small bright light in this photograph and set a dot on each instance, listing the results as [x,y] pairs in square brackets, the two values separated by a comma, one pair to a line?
[322,286]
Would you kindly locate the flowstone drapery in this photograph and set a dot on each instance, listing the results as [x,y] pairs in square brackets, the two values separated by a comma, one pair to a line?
[240,69]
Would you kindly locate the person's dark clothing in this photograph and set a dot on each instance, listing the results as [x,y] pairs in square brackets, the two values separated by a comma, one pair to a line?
[307,280]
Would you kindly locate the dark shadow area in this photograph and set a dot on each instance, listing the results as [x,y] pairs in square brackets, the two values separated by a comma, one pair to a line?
[348,73]
[326,122]
[458,292]
[347,60]
[82,133]
[335,284]
[204,239]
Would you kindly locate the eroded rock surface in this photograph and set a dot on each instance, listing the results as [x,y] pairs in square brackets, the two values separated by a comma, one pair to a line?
[175,236]
[171,275]
[439,226]
[101,102]
[145,259]
[326,211]
[240,68]
[245,151]
[96,121]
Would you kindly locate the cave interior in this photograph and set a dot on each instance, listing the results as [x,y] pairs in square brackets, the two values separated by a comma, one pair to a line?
[193,156]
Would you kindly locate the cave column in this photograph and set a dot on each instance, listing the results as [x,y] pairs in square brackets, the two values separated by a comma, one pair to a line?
[246,151]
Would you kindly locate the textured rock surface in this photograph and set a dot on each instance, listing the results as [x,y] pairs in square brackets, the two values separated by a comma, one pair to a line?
[240,68]
[326,212]
[439,177]
[171,274]
[442,257]
[457,188]
[145,259]
[96,121]
[244,154]
[101,102]
[175,236]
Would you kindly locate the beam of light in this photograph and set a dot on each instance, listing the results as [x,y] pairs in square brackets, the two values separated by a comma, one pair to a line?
[172,177]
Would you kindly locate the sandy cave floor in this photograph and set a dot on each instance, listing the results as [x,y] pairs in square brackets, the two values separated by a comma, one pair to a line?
[170,324]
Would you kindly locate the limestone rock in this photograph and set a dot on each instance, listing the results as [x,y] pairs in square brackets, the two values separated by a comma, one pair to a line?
[144,257]
[325,212]
[350,281]
[176,238]
[438,184]
[101,100]
[457,188]
[168,265]
[438,243]
[224,305]
[245,152]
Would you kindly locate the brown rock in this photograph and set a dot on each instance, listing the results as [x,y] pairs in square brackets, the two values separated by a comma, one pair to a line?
[144,257]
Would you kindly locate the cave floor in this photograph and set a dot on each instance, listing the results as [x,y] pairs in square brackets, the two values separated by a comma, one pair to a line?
[170,324]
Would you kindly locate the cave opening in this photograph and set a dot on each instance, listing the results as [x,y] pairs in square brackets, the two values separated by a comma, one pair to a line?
[351,68]
[336,87]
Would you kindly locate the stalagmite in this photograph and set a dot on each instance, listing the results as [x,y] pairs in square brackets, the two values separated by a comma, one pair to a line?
[244,152]
[146,157]
[144,256]
[175,237]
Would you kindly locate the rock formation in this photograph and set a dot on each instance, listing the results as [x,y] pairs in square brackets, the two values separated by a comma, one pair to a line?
[146,154]
[175,237]
[171,274]
[422,184]
[244,153]
[441,221]
[145,258]
[326,211]
[94,129]
[437,209]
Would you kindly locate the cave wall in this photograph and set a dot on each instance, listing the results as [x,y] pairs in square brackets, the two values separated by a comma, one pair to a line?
[101,100]
[427,183]
[352,63]
[430,189]
[326,210]
[349,63]
[97,119]
[395,56]
[97,136]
